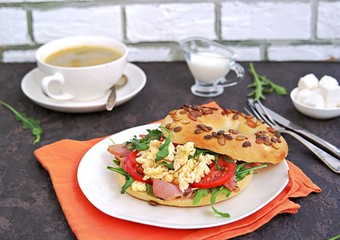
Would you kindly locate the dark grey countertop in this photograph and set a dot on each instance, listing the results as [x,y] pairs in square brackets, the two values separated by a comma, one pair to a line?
[29,208]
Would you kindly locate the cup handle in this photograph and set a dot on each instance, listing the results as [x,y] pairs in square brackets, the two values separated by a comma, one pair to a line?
[239,70]
[59,78]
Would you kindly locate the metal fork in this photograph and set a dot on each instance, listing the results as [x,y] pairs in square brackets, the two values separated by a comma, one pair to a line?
[330,161]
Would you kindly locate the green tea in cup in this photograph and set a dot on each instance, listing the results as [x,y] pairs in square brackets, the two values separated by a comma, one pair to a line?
[82,56]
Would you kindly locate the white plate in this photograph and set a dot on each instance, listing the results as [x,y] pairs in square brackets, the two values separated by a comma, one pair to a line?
[30,85]
[100,187]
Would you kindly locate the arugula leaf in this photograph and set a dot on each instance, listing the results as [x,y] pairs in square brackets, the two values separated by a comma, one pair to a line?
[149,190]
[113,142]
[218,167]
[241,172]
[227,159]
[274,87]
[215,193]
[199,194]
[170,166]
[226,215]
[119,170]
[127,184]
[262,85]
[129,179]
[335,237]
[200,151]
[164,148]
[27,122]
[116,162]
[141,144]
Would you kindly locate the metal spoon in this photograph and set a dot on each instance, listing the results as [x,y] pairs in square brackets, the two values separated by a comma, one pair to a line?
[111,100]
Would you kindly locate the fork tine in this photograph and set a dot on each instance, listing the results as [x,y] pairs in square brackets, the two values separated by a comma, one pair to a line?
[248,111]
[262,111]
[265,111]
[251,104]
[252,108]
[259,114]
[251,101]
[259,111]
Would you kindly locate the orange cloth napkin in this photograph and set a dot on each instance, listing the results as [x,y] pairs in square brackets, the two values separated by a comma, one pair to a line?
[61,160]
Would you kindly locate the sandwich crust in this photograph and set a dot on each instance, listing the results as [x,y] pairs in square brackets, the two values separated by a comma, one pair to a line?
[227,132]
[184,201]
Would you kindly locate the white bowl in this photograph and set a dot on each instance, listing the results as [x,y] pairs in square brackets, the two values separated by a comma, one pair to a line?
[318,113]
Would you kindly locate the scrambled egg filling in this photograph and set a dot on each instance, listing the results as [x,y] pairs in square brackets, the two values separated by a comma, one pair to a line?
[186,170]
[138,186]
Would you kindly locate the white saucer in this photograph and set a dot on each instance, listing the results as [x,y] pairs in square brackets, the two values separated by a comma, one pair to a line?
[30,85]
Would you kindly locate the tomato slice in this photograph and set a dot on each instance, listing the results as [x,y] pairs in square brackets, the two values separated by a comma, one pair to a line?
[134,168]
[217,176]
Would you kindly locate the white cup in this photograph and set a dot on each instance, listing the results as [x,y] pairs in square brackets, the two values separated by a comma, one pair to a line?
[80,83]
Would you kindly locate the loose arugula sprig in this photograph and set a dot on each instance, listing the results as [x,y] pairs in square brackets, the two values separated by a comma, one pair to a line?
[262,85]
[27,122]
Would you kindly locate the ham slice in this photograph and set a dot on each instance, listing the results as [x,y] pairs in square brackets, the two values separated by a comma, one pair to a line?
[231,184]
[165,190]
[119,150]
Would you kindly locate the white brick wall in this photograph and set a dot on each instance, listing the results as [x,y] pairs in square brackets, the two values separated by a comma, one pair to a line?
[247,53]
[328,25]
[13,27]
[169,22]
[149,54]
[256,30]
[265,20]
[63,22]
[304,53]
[19,56]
